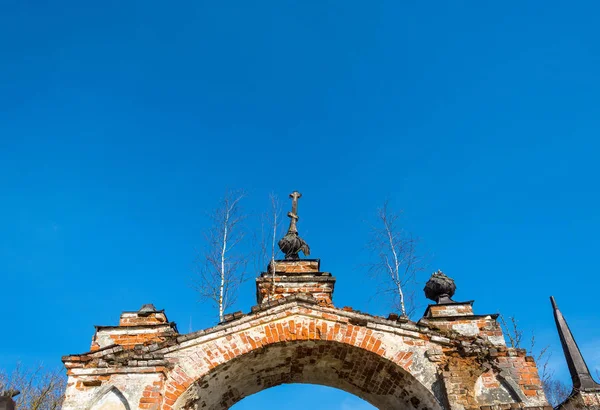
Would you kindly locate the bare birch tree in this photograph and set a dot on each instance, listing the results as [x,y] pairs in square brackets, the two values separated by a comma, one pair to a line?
[395,262]
[222,265]
[266,244]
[39,388]
[274,221]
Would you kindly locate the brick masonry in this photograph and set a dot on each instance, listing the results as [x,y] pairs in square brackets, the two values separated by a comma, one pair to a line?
[582,400]
[450,359]
[299,277]
[135,328]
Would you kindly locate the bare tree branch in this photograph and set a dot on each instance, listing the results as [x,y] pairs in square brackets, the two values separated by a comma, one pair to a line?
[40,388]
[275,218]
[511,331]
[221,267]
[270,222]
[395,260]
[556,391]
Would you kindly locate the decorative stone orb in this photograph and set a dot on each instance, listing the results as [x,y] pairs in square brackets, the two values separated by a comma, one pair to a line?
[440,288]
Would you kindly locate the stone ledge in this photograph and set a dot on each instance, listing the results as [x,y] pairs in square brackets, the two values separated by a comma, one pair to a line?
[137,312]
[295,266]
[458,318]
[96,371]
[433,309]
[313,277]
[172,325]
[294,275]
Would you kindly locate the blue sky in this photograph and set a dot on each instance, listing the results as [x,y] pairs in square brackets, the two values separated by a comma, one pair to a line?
[122,123]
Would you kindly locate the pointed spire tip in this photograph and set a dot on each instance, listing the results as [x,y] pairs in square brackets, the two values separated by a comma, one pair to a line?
[580,373]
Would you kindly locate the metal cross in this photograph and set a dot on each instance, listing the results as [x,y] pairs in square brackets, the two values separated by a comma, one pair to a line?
[294,214]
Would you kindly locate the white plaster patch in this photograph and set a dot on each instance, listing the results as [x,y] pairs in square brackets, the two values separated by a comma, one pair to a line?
[466,329]
[497,340]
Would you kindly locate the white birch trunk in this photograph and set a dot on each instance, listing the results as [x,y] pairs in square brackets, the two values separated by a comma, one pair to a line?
[396,268]
[223,250]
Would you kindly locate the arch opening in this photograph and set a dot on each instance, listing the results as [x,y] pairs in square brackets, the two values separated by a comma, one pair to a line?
[110,399]
[302,397]
[378,381]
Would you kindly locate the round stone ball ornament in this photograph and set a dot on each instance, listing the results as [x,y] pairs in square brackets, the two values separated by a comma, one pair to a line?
[440,288]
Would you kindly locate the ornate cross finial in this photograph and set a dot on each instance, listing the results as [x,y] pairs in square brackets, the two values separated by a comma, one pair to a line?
[291,243]
[294,214]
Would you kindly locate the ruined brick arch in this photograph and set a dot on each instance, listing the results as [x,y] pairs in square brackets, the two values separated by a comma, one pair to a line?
[451,359]
[363,373]
[298,343]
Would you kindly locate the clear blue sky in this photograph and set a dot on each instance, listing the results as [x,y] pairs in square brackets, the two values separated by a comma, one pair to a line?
[122,123]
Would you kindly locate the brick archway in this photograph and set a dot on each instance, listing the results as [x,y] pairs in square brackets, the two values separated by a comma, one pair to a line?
[300,343]
[451,359]
[363,373]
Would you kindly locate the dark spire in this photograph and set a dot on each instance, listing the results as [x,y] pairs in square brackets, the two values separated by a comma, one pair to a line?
[580,374]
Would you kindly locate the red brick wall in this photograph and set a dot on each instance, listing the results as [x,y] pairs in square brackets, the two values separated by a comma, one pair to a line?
[391,363]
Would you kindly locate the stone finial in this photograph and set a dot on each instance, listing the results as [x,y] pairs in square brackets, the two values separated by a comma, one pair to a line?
[6,399]
[580,374]
[291,244]
[440,288]
[147,309]
[9,393]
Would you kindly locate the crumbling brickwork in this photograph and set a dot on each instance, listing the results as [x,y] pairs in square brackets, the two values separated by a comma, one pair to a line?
[299,277]
[135,328]
[582,400]
[451,359]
